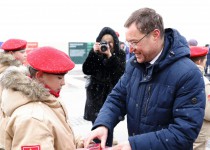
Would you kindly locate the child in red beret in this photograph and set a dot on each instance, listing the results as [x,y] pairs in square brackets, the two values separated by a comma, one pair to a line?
[13,54]
[199,56]
[45,61]
[16,47]
[38,120]
[6,61]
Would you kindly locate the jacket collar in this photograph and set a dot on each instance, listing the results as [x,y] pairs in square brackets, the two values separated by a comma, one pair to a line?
[18,89]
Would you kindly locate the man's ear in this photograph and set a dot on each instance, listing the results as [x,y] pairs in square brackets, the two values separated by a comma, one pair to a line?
[156,34]
[39,75]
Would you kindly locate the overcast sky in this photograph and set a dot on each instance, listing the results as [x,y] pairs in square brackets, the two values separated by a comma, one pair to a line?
[56,23]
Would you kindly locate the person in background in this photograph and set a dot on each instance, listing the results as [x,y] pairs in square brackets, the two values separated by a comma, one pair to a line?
[6,61]
[105,64]
[122,45]
[207,68]
[12,54]
[161,91]
[38,119]
[127,50]
[192,42]
[198,56]
[16,47]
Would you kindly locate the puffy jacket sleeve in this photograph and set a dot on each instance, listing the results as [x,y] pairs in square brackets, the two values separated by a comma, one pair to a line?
[112,109]
[25,132]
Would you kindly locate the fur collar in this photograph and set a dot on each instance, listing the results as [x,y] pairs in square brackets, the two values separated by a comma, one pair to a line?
[7,60]
[18,89]
[16,80]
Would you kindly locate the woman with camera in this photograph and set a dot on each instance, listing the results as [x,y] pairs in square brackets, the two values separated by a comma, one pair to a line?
[104,66]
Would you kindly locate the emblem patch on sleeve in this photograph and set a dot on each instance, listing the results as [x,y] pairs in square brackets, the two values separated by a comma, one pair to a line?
[32,147]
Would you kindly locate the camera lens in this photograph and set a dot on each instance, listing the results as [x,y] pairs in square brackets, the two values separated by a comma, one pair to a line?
[104,46]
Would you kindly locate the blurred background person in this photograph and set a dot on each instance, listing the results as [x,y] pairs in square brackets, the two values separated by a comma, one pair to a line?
[199,56]
[126,48]
[192,42]
[17,48]
[105,64]
[207,68]
[13,54]
[6,61]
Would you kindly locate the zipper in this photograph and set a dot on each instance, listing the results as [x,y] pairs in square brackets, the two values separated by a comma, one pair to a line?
[147,101]
[138,115]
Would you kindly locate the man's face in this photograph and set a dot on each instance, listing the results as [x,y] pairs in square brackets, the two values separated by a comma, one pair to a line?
[144,46]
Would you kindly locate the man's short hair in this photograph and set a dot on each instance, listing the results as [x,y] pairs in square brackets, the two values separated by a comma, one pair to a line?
[146,20]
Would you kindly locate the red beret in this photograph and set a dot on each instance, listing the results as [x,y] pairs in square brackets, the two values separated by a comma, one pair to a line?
[198,51]
[50,60]
[14,45]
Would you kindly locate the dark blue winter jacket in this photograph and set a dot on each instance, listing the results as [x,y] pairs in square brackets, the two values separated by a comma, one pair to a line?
[164,102]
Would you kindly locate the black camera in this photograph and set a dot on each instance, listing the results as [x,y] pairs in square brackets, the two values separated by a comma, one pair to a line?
[104,46]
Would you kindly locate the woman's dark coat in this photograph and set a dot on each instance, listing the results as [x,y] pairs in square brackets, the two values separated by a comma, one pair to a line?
[104,72]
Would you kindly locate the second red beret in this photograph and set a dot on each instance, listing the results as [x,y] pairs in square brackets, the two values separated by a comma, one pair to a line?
[14,45]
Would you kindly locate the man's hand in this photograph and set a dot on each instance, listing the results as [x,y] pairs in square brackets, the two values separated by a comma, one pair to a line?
[100,133]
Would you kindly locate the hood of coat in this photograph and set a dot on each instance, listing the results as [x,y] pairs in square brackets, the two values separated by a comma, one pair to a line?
[110,31]
[7,60]
[175,47]
[18,89]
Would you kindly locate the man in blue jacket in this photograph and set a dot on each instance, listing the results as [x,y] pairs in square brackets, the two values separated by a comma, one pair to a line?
[161,92]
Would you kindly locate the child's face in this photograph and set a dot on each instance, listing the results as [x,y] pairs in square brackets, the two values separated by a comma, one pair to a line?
[54,82]
[20,55]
